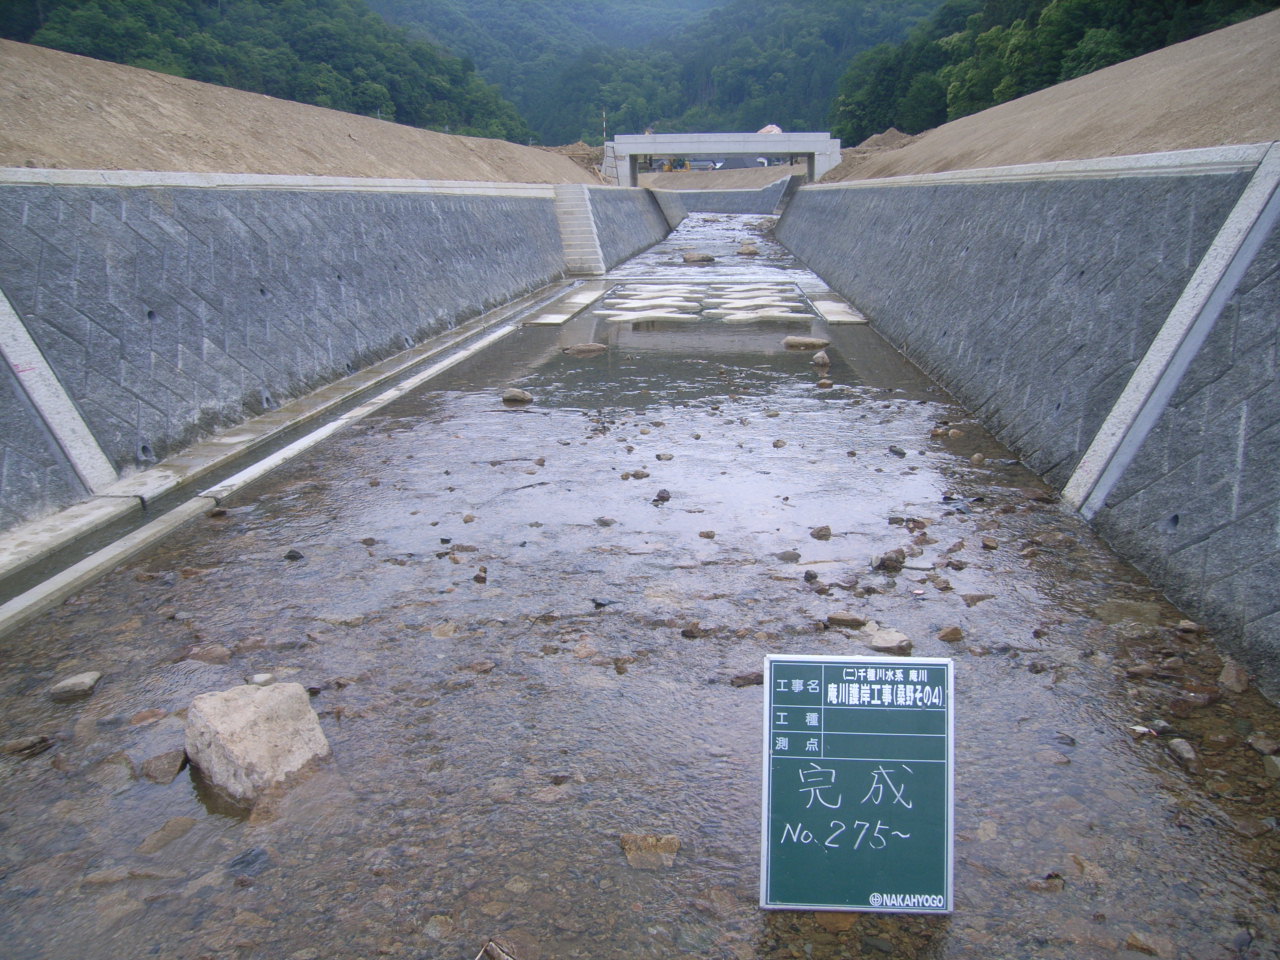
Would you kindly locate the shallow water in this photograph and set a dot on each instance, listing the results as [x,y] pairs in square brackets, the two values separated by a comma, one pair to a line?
[521,651]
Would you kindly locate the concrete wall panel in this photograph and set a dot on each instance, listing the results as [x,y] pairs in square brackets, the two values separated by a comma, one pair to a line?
[627,222]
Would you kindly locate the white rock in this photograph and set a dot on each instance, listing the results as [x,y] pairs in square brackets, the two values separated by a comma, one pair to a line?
[261,679]
[247,738]
[884,640]
[80,685]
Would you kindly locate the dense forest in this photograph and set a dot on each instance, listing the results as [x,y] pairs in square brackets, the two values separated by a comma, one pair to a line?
[573,65]
[332,53]
[974,54]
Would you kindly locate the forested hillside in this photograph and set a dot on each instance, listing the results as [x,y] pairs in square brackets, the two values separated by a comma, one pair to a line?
[671,66]
[331,53]
[973,54]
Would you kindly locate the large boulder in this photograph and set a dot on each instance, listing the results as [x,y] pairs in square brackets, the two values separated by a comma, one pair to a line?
[248,738]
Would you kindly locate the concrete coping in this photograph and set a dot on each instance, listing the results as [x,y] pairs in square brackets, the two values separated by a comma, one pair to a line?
[1240,158]
[24,176]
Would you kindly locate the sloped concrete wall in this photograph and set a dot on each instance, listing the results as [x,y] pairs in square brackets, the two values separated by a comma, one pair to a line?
[628,220]
[168,310]
[1199,507]
[762,201]
[1034,295]
[1031,301]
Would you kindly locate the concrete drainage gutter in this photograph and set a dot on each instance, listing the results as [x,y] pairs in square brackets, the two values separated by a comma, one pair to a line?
[1111,320]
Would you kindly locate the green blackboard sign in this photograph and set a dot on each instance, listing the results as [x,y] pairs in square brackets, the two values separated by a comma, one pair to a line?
[858,784]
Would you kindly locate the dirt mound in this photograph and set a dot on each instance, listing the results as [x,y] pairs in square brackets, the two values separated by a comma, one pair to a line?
[1218,89]
[889,140]
[72,112]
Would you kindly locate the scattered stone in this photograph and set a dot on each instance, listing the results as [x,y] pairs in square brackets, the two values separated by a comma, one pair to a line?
[1053,883]
[172,830]
[707,534]
[246,739]
[825,384]
[665,457]
[951,634]
[639,474]
[1140,671]
[805,343]
[788,556]
[163,768]
[1250,827]
[1233,677]
[973,599]
[696,257]
[884,640]
[821,533]
[834,922]
[147,716]
[650,852]
[820,359]
[842,618]
[293,554]
[1137,731]
[897,451]
[75,687]
[990,543]
[1185,754]
[439,927]
[514,395]
[1263,744]
[26,747]
[978,459]
[1188,626]
[748,250]
[892,561]
[213,653]
[605,521]
[585,350]
[662,496]
[479,666]
[747,680]
[1271,766]
[585,649]
[779,444]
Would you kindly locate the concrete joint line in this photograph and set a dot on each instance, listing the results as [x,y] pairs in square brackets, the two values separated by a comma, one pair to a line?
[50,399]
[1189,323]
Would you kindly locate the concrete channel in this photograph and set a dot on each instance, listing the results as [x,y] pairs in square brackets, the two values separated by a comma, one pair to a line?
[531,630]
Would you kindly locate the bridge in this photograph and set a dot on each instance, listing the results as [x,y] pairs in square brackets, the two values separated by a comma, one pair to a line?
[622,154]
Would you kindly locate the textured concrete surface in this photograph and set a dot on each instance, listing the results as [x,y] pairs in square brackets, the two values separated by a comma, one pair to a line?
[1031,301]
[762,201]
[627,221]
[166,312]
[35,475]
[1198,508]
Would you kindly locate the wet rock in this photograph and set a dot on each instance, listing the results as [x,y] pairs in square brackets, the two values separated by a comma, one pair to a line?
[639,474]
[514,395]
[951,634]
[585,350]
[1188,703]
[164,767]
[649,851]
[707,534]
[147,716]
[211,653]
[1185,754]
[1188,626]
[662,496]
[26,747]
[990,543]
[748,250]
[825,384]
[788,556]
[1151,944]
[1250,827]
[821,533]
[883,640]
[250,863]
[1140,671]
[834,922]
[891,562]
[845,619]
[1271,767]
[821,359]
[747,680]
[478,666]
[246,739]
[879,944]
[1233,677]
[114,772]
[173,829]
[1263,744]
[897,451]
[694,256]
[805,343]
[605,521]
[973,599]
[665,457]
[585,649]
[75,687]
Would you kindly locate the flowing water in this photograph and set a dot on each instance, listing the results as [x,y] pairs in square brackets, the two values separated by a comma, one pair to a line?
[520,624]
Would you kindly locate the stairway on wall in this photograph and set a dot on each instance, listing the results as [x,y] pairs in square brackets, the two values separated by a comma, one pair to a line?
[582,253]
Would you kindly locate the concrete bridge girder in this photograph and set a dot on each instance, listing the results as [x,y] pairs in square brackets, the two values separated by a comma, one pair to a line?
[821,150]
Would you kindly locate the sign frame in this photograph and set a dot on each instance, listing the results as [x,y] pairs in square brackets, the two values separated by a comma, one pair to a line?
[888,901]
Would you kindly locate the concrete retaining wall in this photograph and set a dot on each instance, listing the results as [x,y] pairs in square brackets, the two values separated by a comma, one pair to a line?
[1033,294]
[168,308]
[762,201]
[627,221]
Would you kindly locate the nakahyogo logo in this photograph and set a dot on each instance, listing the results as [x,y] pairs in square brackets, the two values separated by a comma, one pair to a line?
[908,901]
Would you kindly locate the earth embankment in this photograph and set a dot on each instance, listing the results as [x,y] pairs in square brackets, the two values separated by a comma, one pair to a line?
[65,111]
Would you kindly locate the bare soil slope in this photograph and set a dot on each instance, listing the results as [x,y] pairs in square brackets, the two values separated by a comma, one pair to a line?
[61,110]
[1222,88]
